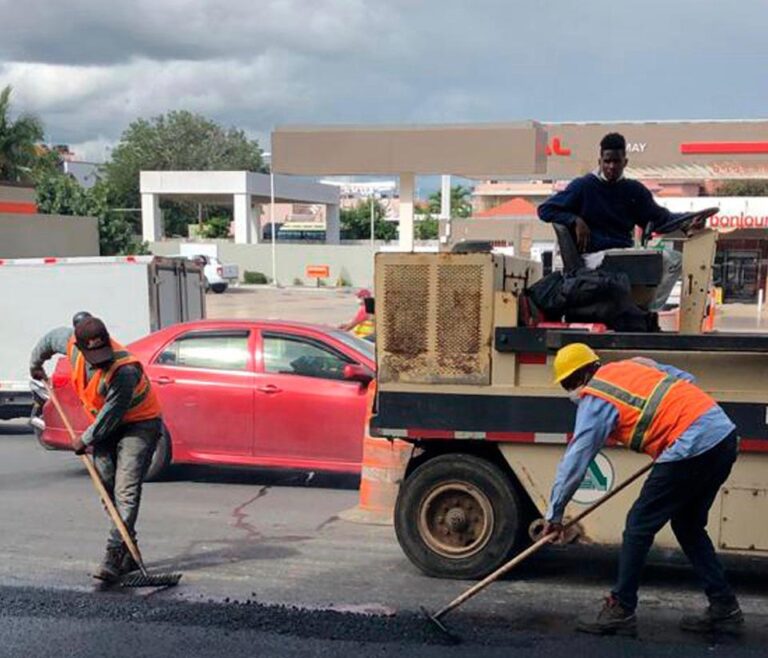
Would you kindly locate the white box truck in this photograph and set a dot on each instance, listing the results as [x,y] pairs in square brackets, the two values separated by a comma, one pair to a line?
[134,295]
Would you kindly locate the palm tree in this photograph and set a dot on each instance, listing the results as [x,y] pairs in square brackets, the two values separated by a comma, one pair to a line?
[460,203]
[18,140]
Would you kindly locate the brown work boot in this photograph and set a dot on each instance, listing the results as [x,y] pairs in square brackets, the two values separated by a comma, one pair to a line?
[127,564]
[109,569]
[613,619]
[719,617]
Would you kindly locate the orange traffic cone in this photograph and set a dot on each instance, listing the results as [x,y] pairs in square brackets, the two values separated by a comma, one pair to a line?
[384,463]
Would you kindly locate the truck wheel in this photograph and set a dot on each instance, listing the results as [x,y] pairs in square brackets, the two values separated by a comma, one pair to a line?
[457,516]
[161,458]
[219,288]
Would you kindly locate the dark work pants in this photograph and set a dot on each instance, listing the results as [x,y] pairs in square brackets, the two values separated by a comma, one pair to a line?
[122,462]
[679,492]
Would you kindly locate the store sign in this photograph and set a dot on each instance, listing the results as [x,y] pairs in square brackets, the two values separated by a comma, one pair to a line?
[735,212]
[557,147]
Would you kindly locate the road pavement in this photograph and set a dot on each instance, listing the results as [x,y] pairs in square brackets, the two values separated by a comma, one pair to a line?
[269,564]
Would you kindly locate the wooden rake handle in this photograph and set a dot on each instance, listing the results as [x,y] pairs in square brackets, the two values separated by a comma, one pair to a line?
[102,490]
[533,548]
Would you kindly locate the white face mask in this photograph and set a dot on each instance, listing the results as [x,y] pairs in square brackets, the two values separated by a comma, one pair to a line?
[575,395]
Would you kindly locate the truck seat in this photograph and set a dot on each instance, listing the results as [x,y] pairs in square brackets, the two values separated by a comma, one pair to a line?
[644,267]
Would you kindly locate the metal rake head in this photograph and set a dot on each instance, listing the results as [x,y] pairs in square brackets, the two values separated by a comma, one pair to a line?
[150,580]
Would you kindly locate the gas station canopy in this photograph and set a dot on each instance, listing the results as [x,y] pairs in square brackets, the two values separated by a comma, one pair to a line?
[471,150]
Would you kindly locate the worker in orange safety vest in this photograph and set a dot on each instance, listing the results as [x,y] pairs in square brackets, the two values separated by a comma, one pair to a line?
[126,420]
[656,409]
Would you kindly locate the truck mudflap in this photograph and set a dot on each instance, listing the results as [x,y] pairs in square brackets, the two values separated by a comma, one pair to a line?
[516,419]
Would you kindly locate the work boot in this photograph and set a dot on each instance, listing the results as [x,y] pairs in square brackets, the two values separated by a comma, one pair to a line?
[613,619]
[109,569]
[719,617]
[127,564]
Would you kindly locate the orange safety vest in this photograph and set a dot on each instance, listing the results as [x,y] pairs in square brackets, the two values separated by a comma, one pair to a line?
[654,408]
[92,393]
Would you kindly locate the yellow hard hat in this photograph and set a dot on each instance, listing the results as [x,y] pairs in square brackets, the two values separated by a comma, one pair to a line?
[571,358]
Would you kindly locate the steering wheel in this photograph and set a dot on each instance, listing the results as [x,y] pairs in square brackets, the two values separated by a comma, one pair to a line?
[687,222]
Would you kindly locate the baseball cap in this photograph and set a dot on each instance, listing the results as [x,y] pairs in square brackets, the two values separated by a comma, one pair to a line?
[363,293]
[93,340]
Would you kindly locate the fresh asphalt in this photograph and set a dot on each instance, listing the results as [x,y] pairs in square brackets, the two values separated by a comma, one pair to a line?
[270,568]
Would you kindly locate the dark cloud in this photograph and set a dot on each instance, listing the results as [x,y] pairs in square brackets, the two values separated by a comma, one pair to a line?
[89,68]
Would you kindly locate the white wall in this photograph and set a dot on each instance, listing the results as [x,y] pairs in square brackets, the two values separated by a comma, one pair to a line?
[352,262]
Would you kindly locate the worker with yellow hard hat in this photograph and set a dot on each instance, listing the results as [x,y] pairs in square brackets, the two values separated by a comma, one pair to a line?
[656,409]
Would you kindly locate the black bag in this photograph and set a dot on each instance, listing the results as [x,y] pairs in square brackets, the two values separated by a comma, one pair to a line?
[592,296]
[547,295]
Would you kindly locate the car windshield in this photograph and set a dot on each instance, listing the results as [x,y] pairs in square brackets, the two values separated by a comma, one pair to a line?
[365,347]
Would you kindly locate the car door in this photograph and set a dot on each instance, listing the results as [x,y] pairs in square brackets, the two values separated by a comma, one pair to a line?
[205,382]
[307,415]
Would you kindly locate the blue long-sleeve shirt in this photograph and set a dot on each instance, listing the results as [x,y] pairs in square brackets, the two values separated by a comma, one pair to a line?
[596,418]
[610,210]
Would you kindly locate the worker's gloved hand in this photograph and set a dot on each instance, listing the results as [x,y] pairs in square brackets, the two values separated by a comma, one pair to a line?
[38,373]
[79,447]
[582,234]
[554,527]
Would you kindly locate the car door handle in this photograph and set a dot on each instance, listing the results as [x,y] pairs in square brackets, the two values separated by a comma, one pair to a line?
[162,381]
[269,389]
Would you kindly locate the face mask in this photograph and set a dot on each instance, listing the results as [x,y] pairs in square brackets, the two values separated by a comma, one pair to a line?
[575,395]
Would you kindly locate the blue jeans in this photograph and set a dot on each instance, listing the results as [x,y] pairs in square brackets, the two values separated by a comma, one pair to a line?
[679,492]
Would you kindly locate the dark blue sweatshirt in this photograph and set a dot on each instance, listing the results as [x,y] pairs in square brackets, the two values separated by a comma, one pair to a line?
[611,210]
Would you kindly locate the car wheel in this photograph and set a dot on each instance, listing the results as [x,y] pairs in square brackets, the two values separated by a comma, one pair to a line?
[161,458]
[457,516]
[219,288]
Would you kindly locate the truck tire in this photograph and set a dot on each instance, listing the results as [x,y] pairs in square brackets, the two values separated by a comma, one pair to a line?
[161,458]
[457,516]
[219,288]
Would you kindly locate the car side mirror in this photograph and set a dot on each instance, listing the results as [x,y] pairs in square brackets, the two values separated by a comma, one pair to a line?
[354,372]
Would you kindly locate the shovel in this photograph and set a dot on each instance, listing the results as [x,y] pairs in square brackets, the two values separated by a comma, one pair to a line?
[533,548]
[143,578]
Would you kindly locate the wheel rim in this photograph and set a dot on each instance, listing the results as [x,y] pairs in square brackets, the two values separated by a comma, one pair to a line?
[456,520]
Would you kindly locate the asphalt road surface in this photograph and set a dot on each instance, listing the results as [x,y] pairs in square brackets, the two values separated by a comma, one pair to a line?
[270,569]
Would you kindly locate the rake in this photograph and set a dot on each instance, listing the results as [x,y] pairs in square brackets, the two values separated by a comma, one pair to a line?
[143,578]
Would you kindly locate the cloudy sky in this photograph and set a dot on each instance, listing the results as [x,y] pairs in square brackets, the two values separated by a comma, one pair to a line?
[90,67]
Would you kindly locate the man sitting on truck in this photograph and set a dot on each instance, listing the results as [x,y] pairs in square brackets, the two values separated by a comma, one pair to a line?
[602,209]
[655,409]
[116,393]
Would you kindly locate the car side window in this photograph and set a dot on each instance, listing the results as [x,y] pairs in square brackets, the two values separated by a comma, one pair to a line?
[289,355]
[211,351]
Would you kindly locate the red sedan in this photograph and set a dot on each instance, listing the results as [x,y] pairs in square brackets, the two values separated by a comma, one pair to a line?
[247,394]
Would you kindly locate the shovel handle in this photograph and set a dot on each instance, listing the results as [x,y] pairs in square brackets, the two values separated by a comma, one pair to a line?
[533,548]
[97,482]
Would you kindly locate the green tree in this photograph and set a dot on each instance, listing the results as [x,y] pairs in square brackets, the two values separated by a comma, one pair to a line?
[60,194]
[176,141]
[426,227]
[18,141]
[356,222]
[743,188]
[460,203]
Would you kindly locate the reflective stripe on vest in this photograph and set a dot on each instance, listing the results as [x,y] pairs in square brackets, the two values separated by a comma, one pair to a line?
[364,328]
[646,406]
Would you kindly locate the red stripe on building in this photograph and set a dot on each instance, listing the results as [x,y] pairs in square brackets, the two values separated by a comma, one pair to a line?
[18,207]
[513,437]
[723,148]
[50,260]
[753,445]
